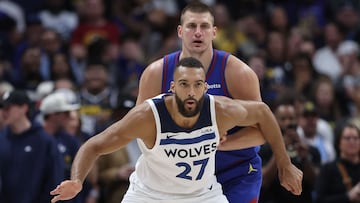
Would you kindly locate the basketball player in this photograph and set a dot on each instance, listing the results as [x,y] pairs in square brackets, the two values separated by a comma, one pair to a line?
[238,171]
[178,135]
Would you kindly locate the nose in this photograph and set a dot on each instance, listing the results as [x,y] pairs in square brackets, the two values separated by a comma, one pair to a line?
[191,91]
[198,31]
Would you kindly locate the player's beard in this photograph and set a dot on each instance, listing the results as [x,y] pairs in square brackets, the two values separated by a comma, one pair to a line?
[189,113]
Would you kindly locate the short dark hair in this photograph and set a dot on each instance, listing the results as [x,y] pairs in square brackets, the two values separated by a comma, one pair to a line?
[196,6]
[190,62]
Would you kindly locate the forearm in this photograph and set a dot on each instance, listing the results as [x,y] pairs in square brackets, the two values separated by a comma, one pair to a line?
[83,162]
[243,138]
[272,133]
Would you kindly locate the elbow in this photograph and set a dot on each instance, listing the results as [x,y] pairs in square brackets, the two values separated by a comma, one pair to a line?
[92,148]
[265,109]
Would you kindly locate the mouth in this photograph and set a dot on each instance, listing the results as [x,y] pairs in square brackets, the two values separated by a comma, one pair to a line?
[197,42]
[190,104]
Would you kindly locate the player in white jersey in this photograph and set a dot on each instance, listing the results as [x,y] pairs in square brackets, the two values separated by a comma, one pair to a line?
[182,160]
[178,135]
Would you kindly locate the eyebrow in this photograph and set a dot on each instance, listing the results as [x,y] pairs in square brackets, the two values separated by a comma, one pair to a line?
[184,80]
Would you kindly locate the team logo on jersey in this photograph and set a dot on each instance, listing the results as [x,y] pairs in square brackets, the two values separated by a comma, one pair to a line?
[251,169]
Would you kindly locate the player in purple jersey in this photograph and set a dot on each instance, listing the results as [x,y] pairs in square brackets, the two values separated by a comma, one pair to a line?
[238,171]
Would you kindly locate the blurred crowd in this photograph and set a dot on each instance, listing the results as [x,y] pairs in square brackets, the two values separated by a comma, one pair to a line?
[72,69]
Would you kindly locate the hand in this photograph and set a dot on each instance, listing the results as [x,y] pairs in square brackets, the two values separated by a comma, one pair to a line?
[354,193]
[291,178]
[66,190]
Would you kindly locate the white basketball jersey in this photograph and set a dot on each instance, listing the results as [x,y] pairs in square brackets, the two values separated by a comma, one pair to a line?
[182,161]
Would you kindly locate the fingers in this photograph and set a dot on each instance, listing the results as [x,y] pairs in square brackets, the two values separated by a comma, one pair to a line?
[56,198]
[294,189]
[297,186]
[55,191]
[293,182]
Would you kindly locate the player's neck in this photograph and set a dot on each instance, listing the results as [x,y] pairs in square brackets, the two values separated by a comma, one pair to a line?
[204,57]
[180,120]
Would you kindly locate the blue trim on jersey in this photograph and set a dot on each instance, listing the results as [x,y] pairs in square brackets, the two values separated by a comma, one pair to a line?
[170,62]
[168,124]
[186,141]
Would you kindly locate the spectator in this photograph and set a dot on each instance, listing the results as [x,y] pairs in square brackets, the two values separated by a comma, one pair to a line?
[30,162]
[30,75]
[57,109]
[60,68]
[312,133]
[354,117]
[93,25]
[254,28]
[30,39]
[348,54]
[339,180]
[325,59]
[97,98]
[325,100]
[302,75]
[347,14]
[228,38]
[56,16]
[267,88]
[304,156]
[278,20]
[275,62]
[130,63]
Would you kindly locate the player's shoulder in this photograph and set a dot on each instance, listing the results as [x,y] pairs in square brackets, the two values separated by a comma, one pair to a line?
[222,102]
[236,64]
[156,65]
[237,70]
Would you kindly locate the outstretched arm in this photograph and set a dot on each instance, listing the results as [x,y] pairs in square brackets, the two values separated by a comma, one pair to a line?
[247,113]
[238,71]
[114,137]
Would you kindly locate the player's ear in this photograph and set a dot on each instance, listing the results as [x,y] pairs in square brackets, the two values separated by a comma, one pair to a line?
[172,87]
[206,87]
[214,32]
[179,31]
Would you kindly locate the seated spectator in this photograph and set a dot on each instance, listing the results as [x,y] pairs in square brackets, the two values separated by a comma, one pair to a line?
[93,25]
[316,132]
[57,17]
[339,180]
[304,156]
[97,98]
